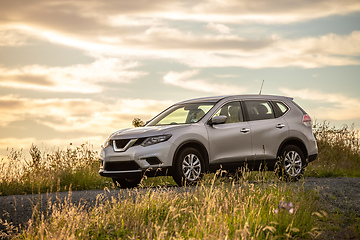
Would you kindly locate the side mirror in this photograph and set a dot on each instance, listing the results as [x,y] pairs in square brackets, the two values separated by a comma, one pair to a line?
[218,120]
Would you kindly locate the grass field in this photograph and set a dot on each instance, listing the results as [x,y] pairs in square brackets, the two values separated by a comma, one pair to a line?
[212,210]
[216,209]
[339,152]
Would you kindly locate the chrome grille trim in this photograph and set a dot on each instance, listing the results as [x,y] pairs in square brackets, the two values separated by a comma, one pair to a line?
[129,144]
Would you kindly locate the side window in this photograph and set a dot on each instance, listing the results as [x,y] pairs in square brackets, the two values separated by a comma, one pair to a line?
[232,111]
[281,108]
[259,110]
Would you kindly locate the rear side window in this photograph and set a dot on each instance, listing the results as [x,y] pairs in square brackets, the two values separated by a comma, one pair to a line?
[280,109]
[259,110]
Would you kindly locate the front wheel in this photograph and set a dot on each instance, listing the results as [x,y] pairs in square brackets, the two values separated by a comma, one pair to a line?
[291,164]
[189,167]
[126,182]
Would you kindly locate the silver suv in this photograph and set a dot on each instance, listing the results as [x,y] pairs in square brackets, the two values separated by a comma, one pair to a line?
[203,135]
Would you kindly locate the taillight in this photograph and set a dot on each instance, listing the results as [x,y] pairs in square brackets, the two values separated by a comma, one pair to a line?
[307,120]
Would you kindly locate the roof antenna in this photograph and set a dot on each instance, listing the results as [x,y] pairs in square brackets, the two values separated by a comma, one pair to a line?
[261,87]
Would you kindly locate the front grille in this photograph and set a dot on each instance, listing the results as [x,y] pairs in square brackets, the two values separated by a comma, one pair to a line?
[121,143]
[121,166]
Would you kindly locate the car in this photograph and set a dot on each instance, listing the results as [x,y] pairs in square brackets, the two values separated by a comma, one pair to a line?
[197,136]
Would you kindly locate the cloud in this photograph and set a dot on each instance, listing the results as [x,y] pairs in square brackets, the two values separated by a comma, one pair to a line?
[169,38]
[221,28]
[330,44]
[73,16]
[78,114]
[11,37]
[229,50]
[342,107]
[226,76]
[116,29]
[82,78]
[309,52]
[59,122]
[281,12]
[188,80]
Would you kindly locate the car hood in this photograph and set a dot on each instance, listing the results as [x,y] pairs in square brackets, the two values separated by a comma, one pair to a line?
[142,132]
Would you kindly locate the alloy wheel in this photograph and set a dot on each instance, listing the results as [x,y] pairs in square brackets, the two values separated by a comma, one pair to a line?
[191,167]
[293,163]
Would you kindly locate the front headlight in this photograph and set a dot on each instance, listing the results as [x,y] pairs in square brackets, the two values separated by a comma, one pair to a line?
[107,141]
[156,139]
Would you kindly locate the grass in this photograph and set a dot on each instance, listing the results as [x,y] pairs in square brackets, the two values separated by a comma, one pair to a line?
[59,170]
[211,210]
[77,167]
[339,152]
[217,208]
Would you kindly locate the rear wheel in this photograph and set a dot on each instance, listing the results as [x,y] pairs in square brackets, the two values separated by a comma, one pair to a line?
[189,167]
[126,182]
[291,164]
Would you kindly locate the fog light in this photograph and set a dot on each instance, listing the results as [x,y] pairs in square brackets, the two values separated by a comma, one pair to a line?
[153,160]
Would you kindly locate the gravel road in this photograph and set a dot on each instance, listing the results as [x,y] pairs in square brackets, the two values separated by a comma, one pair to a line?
[340,194]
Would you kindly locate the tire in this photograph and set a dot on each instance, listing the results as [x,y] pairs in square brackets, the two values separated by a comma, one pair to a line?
[189,167]
[126,183]
[291,164]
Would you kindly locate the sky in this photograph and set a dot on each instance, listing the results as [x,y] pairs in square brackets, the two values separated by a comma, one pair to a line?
[76,71]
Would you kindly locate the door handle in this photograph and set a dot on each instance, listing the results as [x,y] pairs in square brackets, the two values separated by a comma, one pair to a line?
[245,130]
[280,125]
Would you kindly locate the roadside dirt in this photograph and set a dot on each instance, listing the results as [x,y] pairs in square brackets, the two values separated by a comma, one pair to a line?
[339,195]
[341,200]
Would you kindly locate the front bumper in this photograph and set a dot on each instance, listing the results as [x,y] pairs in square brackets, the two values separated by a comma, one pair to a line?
[136,160]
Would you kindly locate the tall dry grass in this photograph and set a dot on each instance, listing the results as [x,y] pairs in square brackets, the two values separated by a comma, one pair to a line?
[57,170]
[339,151]
[207,211]
[77,167]
[217,208]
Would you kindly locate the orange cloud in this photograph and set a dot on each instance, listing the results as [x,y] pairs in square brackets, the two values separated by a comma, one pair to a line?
[342,107]
[189,81]
[83,78]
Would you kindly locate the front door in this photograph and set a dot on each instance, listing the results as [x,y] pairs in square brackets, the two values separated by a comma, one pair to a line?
[230,142]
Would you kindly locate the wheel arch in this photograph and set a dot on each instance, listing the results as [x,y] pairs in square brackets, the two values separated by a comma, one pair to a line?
[194,144]
[293,141]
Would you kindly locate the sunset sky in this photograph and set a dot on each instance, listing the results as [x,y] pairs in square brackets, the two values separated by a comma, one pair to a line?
[75,71]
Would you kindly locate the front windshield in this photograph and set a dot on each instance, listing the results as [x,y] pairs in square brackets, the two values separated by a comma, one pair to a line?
[182,114]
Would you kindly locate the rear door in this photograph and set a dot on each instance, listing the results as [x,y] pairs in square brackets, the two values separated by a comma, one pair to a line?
[267,131]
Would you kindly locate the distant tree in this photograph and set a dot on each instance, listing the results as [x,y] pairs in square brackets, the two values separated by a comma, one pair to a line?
[137,122]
